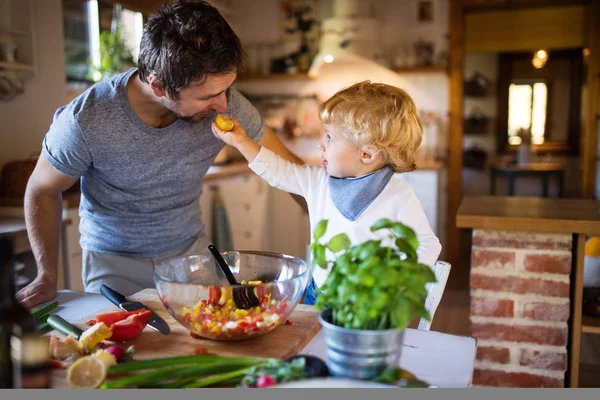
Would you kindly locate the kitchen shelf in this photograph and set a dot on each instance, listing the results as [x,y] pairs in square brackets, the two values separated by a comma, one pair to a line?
[274,77]
[590,324]
[434,69]
[16,66]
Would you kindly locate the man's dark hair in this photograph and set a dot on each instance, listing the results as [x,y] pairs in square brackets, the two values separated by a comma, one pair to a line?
[185,42]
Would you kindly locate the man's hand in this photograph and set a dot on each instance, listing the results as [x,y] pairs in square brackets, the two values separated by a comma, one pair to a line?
[38,291]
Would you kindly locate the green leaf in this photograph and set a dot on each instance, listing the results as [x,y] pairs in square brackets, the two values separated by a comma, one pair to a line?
[428,273]
[339,242]
[319,257]
[320,229]
[382,224]
[406,248]
[401,230]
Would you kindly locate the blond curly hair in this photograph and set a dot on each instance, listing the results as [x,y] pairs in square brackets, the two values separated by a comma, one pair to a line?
[378,115]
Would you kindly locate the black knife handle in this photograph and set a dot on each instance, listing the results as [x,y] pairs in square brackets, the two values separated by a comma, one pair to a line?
[114,297]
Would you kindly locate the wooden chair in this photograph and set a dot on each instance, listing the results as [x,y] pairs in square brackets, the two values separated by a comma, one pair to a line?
[441,269]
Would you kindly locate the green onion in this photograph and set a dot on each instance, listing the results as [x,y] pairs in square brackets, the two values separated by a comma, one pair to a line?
[181,375]
[42,311]
[211,380]
[163,362]
[44,328]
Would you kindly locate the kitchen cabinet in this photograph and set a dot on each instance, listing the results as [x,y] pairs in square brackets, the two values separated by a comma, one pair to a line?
[260,217]
[72,253]
[245,198]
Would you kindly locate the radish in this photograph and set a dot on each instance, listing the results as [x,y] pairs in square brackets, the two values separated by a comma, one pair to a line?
[116,351]
[265,381]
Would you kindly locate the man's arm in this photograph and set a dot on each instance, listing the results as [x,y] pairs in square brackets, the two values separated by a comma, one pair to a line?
[272,142]
[43,216]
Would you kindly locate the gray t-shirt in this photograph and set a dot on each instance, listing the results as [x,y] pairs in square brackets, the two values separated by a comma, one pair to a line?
[140,185]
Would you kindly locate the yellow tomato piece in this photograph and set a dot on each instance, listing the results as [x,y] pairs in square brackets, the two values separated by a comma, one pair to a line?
[224,122]
[94,335]
[240,313]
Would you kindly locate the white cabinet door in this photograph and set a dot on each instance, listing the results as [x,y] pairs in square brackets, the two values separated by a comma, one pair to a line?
[289,225]
[73,258]
[246,201]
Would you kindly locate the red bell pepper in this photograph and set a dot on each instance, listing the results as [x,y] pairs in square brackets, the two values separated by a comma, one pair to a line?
[214,294]
[130,327]
[125,325]
[111,318]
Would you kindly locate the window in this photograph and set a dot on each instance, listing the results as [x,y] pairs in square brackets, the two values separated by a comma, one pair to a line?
[527,107]
[84,21]
[540,105]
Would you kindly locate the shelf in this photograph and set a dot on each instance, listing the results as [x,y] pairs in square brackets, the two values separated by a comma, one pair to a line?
[274,77]
[16,66]
[14,32]
[422,70]
[590,324]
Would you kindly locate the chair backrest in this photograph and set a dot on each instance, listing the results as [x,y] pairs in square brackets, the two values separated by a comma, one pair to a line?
[435,290]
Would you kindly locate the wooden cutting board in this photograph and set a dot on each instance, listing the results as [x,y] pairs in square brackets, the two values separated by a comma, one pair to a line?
[284,341]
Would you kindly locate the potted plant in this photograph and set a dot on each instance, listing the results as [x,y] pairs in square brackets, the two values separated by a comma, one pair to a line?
[370,296]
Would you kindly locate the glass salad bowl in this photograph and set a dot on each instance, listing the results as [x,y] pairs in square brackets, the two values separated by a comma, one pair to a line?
[197,294]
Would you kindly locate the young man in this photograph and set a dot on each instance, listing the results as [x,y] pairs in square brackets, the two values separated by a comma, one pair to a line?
[141,141]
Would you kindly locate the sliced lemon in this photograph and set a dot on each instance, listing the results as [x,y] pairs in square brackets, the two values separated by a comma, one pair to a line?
[224,122]
[87,372]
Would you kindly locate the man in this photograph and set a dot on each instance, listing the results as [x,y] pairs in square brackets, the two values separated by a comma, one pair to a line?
[141,142]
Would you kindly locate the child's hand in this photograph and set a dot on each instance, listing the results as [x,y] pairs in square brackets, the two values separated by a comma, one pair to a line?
[234,137]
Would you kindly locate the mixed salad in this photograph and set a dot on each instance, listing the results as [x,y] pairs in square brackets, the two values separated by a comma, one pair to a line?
[218,317]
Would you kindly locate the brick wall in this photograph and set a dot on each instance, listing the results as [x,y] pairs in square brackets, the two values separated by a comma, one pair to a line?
[520,307]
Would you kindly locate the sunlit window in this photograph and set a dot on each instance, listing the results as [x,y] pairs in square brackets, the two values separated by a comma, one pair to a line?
[84,21]
[527,105]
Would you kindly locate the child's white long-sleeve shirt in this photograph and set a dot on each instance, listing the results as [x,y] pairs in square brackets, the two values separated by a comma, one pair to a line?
[397,201]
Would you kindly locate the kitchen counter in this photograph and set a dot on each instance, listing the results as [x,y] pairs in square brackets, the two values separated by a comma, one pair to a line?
[440,359]
[530,213]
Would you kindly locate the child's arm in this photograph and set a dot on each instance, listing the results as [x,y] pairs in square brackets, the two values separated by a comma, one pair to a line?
[277,171]
[429,245]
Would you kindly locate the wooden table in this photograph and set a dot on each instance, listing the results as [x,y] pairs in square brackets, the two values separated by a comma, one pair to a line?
[579,217]
[542,170]
[440,359]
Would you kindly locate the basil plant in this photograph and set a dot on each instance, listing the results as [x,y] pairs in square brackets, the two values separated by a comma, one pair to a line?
[371,286]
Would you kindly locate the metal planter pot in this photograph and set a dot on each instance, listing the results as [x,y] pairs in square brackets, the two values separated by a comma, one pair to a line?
[359,354]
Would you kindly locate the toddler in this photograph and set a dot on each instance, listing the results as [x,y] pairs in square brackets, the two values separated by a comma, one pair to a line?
[371,132]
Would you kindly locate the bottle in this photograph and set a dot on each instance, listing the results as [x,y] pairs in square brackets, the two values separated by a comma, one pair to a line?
[30,358]
[14,318]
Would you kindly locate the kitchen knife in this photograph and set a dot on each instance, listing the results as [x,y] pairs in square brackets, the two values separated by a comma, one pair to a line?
[156,322]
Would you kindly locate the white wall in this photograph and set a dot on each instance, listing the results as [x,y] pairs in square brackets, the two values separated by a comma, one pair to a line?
[25,120]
